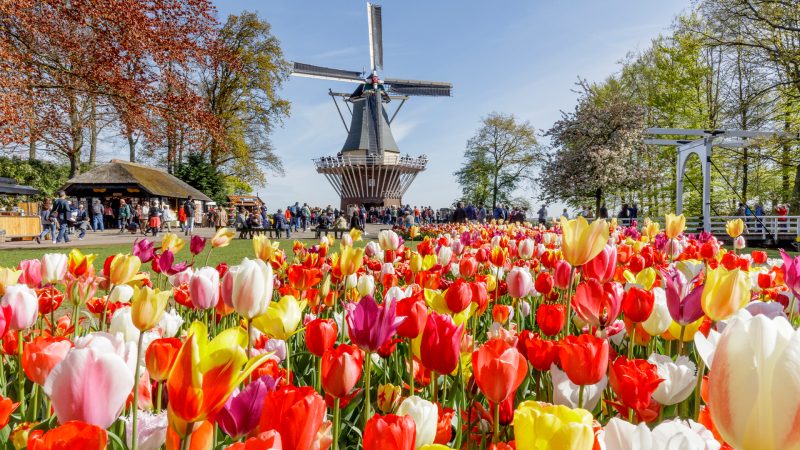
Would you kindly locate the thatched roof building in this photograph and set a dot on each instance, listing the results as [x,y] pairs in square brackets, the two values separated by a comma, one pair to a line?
[126,179]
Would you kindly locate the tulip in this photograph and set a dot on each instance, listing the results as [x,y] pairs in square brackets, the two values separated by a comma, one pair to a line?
[170,323]
[584,358]
[498,369]
[602,266]
[580,242]
[551,318]
[634,381]
[264,249]
[415,314]
[42,355]
[498,256]
[444,255]
[79,264]
[54,267]
[458,296]
[31,274]
[366,285]
[680,378]
[725,292]
[341,369]
[370,325]
[388,398]
[390,432]
[269,440]
[467,267]
[242,411]
[683,301]
[160,356]
[205,374]
[74,434]
[151,431]
[251,291]
[541,353]
[123,269]
[91,385]
[282,318]
[734,228]
[525,248]
[519,282]
[222,238]
[147,307]
[739,243]
[674,225]
[171,243]
[5,318]
[204,288]
[425,415]
[388,240]
[544,283]
[320,336]
[440,344]
[144,250]
[415,262]
[668,435]
[24,305]
[296,413]
[562,274]
[791,273]
[350,260]
[637,304]
[567,393]
[598,304]
[540,426]
[660,319]
[753,383]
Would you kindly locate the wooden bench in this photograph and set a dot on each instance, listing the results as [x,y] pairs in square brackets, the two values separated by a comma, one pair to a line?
[248,233]
[337,232]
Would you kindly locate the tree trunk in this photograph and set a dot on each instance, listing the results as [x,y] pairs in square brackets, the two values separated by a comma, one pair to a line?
[32,147]
[93,132]
[795,204]
[494,190]
[785,158]
[598,196]
[131,146]
[744,173]
[76,129]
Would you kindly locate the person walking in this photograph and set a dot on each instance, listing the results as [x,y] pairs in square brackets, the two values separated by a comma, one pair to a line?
[60,211]
[221,218]
[82,221]
[542,215]
[48,222]
[97,216]
[108,215]
[188,209]
[125,213]
[281,223]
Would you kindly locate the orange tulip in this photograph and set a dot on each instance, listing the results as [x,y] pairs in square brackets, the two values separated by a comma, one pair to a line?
[79,264]
[71,435]
[40,356]
[302,278]
[6,408]
[200,438]
[160,356]
[499,369]
[296,413]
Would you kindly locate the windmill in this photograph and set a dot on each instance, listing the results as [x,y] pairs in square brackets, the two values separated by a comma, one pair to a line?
[369,169]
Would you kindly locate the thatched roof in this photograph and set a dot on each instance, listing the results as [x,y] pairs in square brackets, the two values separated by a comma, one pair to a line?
[123,175]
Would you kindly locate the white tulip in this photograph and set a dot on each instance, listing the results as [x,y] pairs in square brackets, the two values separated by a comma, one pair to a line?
[170,323]
[425,415]
[121,293]
[122,324]
[366,285]
[659,319]
[680,378]
[54,267]
[566,393]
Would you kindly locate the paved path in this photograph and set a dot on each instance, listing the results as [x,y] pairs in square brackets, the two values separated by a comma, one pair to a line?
[112,237]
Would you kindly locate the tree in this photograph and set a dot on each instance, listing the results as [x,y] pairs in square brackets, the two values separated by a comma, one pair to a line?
[497,159]
[597,149]
[240,84]
[199,173]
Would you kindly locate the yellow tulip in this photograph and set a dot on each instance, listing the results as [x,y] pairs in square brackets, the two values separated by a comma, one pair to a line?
[171,243]
[389,397]
[355,234]
[282,318]
[147,307]
[8,277]
[645,278]
[413,232]
[580,242]
[674,330]
[124,269]
[415,262]
[651,229]
[429,261]
[79,264]
[725,292]
[491,283]
[222,237]
[735,228]
[350,260]
[265,250]
[541,426]
[674,225]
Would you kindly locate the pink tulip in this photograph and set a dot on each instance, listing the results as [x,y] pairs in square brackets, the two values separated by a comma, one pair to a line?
[519,282]
[226,289]
[603,265]
[791,273]
[561,274]
[24,304]
[526,248]
[90,385]
[252,287]
[204,288]
[31,273]
[197,244]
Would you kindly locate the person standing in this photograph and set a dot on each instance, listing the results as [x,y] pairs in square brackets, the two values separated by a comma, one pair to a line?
[281,223]
[108,212]
[82,221]
[602,212]
[542,215]
[460,214]
[97,216]
[188,209]
[60,211]
[565,214]
[125,213]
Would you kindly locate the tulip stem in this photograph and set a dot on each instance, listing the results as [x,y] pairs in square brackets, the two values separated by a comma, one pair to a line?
[580,396]
[288,345]
[208,255]
[632,341]
[105,308]
[35,404]
[76,318]
[701,368]
[367,382]
[3,375]
[20,377]
[318,377]
[336,419]
[249,340]
[159,392]
[680,340]
[410,368]
[187,440]
[134,414]
[569,303]
[434,391]
[496,423]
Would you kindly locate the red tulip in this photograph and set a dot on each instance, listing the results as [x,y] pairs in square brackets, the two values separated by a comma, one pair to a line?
[544,283]
[637,304]
[634,381]
[458,296]
[541,353]
[444,425]
[40,356]
[160,355]
[500,313]
[480,296]
[551,318]
[602,266]
[320,336]
[441,343]
[584,358]
[269,440]
[597,304]
[759,256]
[467,267]
[415,312]
[562,274]
[296,413]
[498,369]
[6,408]
[70,435]
[390,432]
[341,369]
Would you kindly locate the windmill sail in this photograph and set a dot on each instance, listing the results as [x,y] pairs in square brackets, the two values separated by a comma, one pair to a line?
[375,36]
[312,71]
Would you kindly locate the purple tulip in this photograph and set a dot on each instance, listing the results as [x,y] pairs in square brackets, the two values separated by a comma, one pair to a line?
[165,263]
[144,249]
[370,324]
[242,411]
[197,244]
[768,309]
[791,273]
[683,302]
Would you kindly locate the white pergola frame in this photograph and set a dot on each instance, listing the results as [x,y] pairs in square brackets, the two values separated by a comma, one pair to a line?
[702,146]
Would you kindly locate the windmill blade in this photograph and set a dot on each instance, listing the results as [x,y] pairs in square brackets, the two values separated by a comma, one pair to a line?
[419,87]
[326,73]
[375,36]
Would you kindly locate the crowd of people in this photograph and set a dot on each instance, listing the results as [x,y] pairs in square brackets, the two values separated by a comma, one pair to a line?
[481,214]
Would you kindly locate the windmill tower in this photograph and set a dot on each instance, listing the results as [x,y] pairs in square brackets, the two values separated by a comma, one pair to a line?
[369,170]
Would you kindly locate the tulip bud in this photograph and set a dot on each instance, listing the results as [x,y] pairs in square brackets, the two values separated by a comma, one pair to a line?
[739,243]
[24,305]
[366,285]
[562,274]
[124,268]
[444,255]
[415,262]
[54,267]
[388,398]
[425,415]
[204,288]
[148,306]
[526,248]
